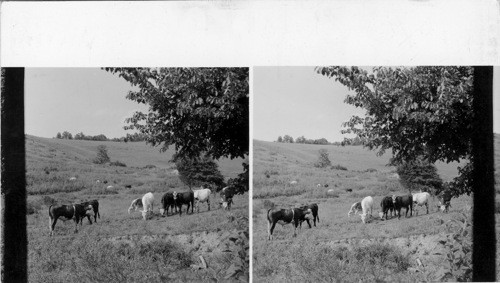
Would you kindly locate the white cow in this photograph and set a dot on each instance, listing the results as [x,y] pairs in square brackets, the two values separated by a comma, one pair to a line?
[366,206]
[109,187]
[422,199]
[136,203]
[147,204]
[202,195]
[355,208]
[72,179]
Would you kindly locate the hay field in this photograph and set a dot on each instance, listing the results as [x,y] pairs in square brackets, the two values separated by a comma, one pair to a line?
[342,248]
[122,247]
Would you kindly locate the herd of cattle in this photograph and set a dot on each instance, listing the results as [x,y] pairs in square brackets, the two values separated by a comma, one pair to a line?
[172,200]
[389,204]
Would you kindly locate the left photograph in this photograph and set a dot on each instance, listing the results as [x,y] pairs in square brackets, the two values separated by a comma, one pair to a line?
[137,174]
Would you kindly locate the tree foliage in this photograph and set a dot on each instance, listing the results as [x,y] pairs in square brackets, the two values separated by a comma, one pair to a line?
[419,174]
[240,185]
[199,171]
[417,111]
[102,155]
[198,110]
[323,159]
[287,139]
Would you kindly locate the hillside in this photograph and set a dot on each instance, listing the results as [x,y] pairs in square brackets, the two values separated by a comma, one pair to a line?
[51,162]
[128,248]
[380,250]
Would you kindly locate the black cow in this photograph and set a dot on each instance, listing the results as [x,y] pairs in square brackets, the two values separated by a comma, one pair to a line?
[167,201]
[184,198]
[445,200]
[403,201]
[95,207]
[226,196]
[75,211]
[315,215]
[387,204]
[286,216]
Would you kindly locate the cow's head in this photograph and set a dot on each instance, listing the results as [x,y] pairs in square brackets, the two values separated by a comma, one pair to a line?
[307,213]
[381,214]
[394,199]
[89,210]
[162,211]
[174,194]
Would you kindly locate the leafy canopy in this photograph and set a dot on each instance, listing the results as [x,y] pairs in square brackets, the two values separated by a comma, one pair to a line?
[199,171]
[417,111]
[199,110]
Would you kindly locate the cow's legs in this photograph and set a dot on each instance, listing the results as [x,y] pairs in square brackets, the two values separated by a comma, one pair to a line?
[52,225]
[427,207]
[270,229]
[208,202]
[76,223]
[309,223]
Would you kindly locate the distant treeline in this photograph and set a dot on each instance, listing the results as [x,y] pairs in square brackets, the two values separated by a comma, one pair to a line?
[81,136]
[322,141]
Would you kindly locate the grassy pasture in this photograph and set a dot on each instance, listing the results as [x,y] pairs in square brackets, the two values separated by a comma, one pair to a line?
[122,247]
[340,247]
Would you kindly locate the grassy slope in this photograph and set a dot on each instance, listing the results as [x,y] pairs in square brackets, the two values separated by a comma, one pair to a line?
[51,162]
[286,162]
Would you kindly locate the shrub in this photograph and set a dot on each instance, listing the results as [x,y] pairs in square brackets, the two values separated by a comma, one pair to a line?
[268,204]
[199,171]
[102,155]
[323,159]
[419,174]
[32,207]
[118,163]
[338,167]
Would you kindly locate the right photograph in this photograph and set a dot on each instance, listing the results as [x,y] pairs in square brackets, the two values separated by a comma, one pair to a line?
[362,173]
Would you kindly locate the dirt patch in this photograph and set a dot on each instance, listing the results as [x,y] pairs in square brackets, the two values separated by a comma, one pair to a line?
[424,250]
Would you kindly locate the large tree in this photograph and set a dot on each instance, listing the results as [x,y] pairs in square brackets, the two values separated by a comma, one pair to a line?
[198,110]
[414,111]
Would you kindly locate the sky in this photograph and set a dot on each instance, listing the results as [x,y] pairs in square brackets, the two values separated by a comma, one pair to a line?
[293,101]
[296,101]
[88,100]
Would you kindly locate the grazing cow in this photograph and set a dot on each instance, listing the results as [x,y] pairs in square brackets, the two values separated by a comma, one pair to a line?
[366,206]
[403,201]
[386,204]
[128,186]
[105,182]
[95,207]
[167,201]
[286,216]
[445,201]
[72,179]
[348,190]
[202,195]
[326,185]
[147,205]
[421,199]
[318,185]
[226,196]
[136,203]
[184,198]
[314,212]
[97,181]
[109,187]
[355,208]
[293,183]
[75,211]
